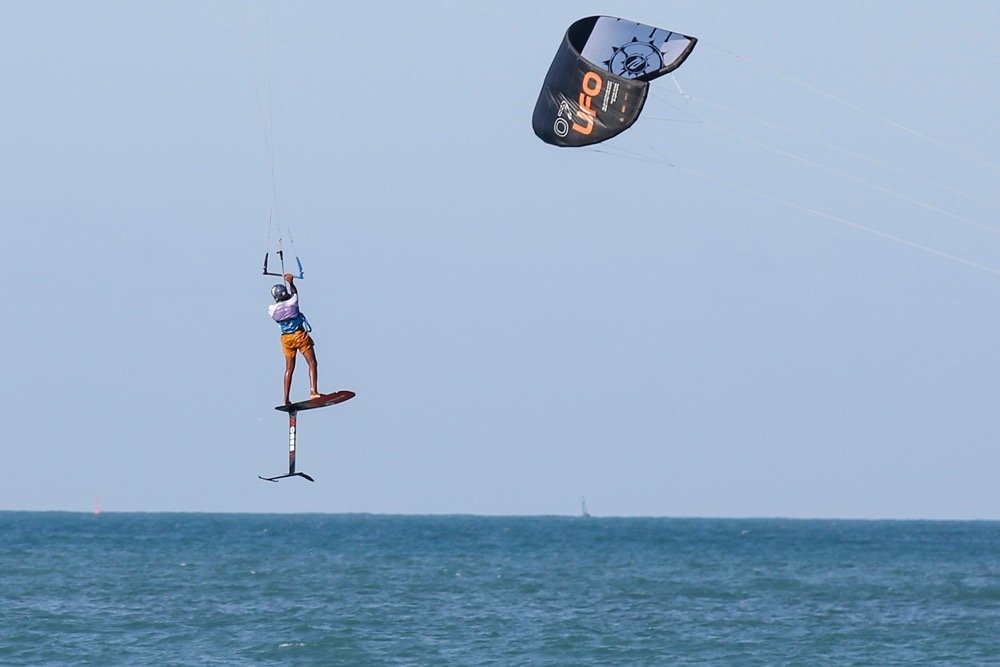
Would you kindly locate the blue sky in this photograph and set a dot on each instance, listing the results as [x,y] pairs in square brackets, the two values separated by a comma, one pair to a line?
[524,325]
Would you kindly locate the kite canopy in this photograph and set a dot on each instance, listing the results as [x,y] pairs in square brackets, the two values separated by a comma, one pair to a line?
[597,83]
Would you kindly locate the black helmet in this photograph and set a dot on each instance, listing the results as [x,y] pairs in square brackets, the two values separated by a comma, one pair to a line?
[280,292]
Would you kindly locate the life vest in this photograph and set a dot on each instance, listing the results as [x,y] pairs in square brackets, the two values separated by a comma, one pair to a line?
[289,318]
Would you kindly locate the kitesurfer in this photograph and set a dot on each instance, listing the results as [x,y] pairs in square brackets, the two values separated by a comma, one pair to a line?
[294,333]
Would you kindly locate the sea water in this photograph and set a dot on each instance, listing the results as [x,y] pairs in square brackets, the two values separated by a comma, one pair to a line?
[463,590]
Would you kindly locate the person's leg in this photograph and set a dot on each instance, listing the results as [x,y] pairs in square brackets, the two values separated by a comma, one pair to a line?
[289,369]
[310,354]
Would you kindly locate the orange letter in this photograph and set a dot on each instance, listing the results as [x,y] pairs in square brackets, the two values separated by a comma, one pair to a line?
[584,129]
[592,83]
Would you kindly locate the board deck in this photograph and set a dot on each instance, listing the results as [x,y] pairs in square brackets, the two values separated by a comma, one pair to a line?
[321,402]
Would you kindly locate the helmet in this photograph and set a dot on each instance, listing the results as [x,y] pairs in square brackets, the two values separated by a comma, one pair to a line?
[280,292]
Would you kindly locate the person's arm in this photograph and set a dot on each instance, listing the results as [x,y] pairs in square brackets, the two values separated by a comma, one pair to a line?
[290,279]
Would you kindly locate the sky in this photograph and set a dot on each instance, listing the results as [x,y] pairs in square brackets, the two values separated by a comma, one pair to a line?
[776,295]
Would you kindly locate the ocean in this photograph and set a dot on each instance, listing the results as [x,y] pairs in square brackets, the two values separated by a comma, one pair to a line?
[242,589]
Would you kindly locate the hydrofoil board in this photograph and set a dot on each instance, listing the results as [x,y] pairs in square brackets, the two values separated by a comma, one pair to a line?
[321,402]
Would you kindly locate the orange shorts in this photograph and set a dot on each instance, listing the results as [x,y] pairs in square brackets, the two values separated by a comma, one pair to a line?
[297,340]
